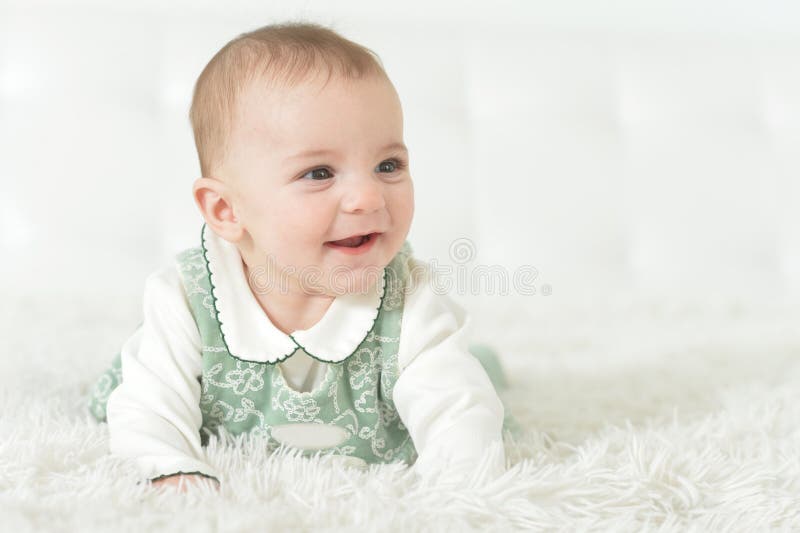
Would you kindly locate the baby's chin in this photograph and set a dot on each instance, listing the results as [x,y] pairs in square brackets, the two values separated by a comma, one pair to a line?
[347,279]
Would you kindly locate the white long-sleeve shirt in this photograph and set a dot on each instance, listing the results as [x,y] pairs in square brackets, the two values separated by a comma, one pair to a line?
[442,394]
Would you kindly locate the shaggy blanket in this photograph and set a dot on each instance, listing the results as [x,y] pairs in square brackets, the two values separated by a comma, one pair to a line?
[640,414]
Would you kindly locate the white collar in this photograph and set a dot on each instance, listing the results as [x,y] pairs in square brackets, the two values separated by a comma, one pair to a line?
[248,332]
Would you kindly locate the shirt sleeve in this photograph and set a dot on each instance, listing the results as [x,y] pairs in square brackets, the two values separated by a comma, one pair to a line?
[443,394]
[154,415]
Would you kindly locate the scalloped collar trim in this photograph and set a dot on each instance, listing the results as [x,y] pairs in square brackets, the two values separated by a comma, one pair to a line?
[249,334]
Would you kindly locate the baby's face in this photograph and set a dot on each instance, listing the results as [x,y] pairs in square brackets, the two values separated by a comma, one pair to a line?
[311,165]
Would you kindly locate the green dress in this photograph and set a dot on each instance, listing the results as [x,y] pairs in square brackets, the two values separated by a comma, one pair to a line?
[355,395]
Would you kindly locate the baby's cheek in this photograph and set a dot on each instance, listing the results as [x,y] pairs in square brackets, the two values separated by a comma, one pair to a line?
[403,201]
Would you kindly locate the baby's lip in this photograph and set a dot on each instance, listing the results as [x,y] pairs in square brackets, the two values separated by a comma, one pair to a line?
[375,233]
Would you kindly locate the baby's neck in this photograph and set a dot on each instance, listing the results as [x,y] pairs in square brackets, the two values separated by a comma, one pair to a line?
[290,310]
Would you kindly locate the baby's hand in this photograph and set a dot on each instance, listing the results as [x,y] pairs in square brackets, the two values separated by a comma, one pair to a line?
[183,481]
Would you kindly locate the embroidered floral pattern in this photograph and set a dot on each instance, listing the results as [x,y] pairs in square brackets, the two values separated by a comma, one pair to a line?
[248,408]
[302,409]
[246,379]
[360,365]
[103,387]
[387,413]
[192,267]
[393,298]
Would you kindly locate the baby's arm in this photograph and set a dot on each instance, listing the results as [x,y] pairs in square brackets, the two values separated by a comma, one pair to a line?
[154,415]
[443,394]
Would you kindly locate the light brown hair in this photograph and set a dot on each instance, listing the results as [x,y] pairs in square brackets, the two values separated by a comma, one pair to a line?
[281,55]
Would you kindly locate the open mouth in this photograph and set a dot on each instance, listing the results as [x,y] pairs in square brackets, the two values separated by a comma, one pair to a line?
[355,242]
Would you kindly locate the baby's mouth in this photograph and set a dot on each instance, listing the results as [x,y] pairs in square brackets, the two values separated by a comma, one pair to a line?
[353,242]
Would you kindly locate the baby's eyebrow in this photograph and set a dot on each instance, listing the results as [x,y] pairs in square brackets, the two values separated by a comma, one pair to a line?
[314,153]
[395,146]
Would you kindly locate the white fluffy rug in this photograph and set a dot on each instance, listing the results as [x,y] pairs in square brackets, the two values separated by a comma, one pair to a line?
[642,415]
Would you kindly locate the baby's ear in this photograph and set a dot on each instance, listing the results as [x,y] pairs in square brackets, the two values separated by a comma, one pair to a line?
[213,199]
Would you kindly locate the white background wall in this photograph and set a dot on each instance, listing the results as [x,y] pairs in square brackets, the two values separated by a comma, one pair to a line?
[614,146]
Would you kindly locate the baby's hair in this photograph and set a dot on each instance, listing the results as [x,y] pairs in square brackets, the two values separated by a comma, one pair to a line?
[280,55]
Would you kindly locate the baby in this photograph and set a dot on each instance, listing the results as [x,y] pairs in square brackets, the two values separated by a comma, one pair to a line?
[302,315]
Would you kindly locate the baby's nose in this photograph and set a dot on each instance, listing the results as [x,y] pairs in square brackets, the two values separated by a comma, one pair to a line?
[366,195]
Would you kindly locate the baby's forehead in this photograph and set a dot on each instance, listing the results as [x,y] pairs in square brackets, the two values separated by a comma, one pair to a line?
[262,102]
[283,117]
[305,84]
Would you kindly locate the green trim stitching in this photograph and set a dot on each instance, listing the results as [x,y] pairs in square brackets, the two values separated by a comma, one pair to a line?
[298,345]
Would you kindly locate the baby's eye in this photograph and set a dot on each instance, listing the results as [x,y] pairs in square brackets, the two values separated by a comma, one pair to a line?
[315,174]
[390,165]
